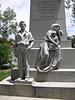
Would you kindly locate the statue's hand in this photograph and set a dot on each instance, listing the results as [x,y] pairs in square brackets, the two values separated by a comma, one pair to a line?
[48,49]
[59,46]
[28,48]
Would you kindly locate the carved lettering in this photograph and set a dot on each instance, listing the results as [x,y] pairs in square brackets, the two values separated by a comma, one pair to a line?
[46,9]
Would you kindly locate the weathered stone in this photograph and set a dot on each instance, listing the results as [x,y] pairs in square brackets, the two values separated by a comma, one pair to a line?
[43,14]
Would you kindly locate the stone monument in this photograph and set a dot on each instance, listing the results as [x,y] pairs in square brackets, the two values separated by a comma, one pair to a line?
[43,14]
[60,83]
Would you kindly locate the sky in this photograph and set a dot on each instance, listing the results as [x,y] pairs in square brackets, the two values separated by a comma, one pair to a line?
[22,9]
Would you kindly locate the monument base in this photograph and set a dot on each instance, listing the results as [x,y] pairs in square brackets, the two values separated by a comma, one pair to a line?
[12,88]
[59,75]
[67,61]
[57,90]
[58,84]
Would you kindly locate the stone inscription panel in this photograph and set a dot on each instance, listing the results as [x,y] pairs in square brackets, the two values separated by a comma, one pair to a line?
[43,14]
[46,9]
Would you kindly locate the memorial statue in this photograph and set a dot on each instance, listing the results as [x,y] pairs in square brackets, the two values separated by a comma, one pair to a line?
[23,42]
[56,27]
[59,32]
[48,56]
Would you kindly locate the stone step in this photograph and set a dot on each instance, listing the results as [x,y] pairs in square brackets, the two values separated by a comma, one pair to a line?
[23,98]
[12,88]
[53,90]
[58,90]
[67,61]
[60,75]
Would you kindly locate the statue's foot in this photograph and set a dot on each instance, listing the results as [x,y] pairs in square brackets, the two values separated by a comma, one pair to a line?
[54,67]
[26,79]
[48,68]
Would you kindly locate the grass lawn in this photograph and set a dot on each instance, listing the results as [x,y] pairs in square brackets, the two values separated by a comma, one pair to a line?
[4,73]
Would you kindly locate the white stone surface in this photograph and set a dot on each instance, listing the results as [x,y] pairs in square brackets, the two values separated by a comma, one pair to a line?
[44,14]
[7,81]
[54,84]
[19,81]
[60,75]
[23,98]
[67,61]
[40,90]
[8,87]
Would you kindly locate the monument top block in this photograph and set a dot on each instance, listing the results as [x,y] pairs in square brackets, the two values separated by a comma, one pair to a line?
[43,14]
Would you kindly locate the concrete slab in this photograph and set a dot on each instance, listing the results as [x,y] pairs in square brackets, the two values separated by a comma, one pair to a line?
[23,98]
[40,90]
[54,84]
[10,88]
[56,90]
[60,75]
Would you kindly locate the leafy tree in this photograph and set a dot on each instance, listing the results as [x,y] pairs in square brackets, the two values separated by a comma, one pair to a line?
[5,52]
[7,23]
[8,26]
[71,4]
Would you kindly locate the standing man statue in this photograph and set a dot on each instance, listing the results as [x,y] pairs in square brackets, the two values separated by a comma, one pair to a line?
[23,42]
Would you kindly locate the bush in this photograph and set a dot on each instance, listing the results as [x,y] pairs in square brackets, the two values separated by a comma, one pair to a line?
[5,52]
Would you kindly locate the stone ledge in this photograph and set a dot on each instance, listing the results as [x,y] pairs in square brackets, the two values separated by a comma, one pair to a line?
[55,90]
[40,90]
[23,98]
[8,87]
[60,75]
[54,84]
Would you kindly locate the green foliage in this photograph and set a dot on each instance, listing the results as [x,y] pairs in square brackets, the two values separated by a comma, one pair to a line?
[12,66]
[73,41]
[5,51]
[72,38]
[8,23]
[71,4]
[8,26]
